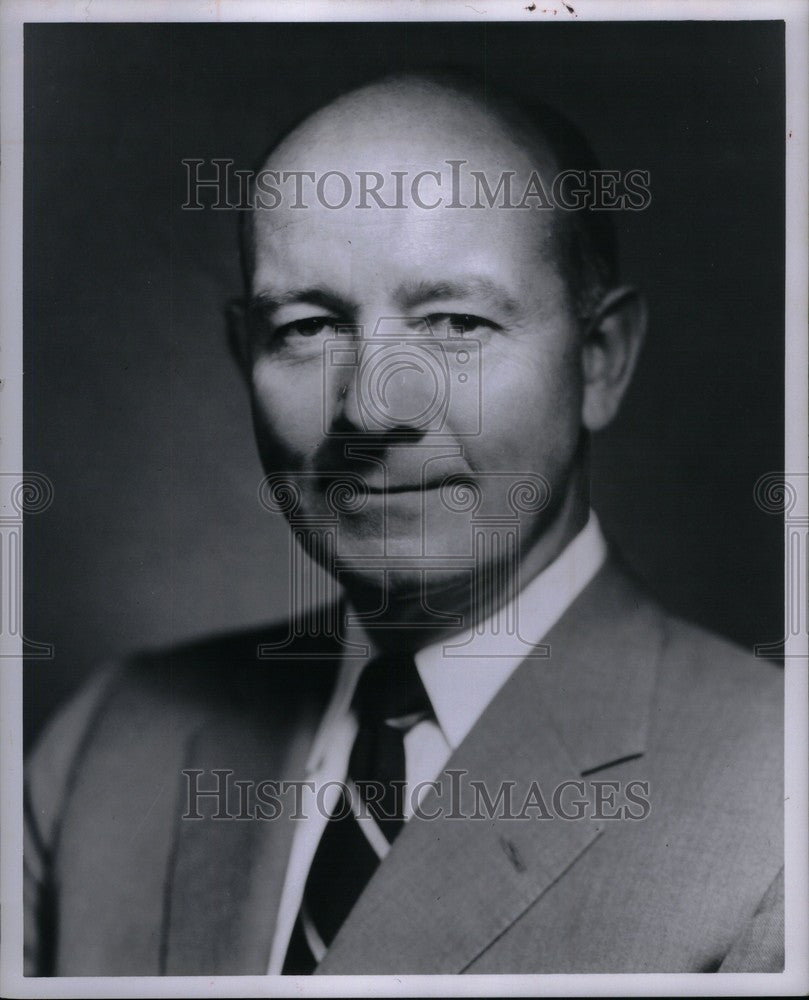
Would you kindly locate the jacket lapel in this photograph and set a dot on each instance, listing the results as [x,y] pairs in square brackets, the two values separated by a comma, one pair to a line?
[227,875]
[452,885]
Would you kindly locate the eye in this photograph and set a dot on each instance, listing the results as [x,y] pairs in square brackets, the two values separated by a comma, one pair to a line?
[459,322]
[310,326]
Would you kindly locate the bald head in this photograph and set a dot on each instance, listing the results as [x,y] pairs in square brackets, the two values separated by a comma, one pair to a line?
[412,125]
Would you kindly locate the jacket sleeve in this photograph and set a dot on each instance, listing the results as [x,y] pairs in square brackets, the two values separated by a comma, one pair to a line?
[49,773]
[760,946]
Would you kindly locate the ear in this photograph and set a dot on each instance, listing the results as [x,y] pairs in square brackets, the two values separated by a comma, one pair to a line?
[612,343]
[238,335]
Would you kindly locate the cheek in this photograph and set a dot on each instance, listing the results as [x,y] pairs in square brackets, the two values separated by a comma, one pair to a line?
[286,412]
[532,403]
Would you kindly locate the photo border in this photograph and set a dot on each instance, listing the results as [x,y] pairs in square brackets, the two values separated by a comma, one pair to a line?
[795,979]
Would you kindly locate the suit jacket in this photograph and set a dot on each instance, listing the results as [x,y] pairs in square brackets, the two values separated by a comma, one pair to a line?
[119,884]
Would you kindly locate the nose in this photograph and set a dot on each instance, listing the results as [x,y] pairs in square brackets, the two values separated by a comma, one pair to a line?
[398,384]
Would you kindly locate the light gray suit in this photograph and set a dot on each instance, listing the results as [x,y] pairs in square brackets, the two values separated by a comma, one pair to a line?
[119,884]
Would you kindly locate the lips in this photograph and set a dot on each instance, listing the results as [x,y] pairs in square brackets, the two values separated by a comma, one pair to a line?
[405,487]
[406,471]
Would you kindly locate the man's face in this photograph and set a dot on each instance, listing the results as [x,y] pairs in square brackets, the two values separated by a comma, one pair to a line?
[421,356]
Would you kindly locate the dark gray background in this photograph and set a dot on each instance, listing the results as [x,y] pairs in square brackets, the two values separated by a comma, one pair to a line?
[134,411]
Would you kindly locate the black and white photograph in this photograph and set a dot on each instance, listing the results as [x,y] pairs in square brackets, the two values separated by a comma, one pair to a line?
[404,504]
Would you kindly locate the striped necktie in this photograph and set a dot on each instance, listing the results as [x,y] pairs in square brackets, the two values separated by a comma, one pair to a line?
[389,700]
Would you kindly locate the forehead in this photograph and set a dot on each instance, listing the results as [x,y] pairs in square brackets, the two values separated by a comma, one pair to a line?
[392,137]
[373,251]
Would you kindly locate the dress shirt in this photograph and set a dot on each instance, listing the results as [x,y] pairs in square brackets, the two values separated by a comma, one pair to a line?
[461,676]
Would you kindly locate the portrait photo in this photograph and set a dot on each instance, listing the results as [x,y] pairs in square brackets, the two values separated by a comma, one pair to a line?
[404,511]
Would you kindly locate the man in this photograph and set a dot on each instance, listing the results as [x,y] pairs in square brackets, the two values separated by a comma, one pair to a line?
[497,754]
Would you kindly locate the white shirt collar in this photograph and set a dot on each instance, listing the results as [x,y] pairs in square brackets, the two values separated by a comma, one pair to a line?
[460,686]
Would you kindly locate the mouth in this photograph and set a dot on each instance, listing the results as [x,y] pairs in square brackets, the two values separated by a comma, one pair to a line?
[403,488]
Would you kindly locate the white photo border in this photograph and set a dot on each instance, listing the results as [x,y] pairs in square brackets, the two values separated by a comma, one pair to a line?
[13,15]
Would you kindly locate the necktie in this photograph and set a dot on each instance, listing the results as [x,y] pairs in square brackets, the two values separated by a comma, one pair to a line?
[389,700]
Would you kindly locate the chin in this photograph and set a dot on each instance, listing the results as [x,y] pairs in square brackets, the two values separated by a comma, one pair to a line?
[399,595]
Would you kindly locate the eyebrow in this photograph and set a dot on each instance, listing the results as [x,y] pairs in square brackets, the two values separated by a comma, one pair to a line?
[409,295]
[417,293]
[324,298]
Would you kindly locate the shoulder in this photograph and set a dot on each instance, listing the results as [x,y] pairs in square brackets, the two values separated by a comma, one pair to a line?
[715,711]
[211,672]
[710,677]
[698,682]
[161,698]
[697,672]
[717,729]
